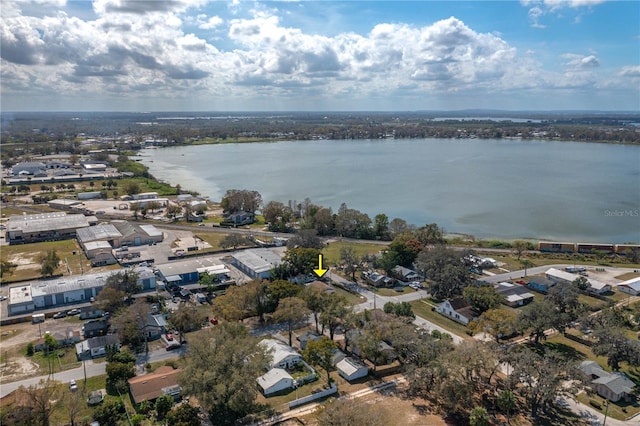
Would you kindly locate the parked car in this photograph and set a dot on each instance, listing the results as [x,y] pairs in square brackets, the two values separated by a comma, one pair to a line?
[521,282]
[73,386]
[173,346]
[74,312]
[60,314]
[3,298]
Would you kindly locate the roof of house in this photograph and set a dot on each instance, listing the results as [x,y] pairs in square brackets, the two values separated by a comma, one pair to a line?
[563,275]
[100,341]
[513,292]
[633,283]
[279,350]
[350,365]
[462,307]
[273,377]
[150,386]
[618,382]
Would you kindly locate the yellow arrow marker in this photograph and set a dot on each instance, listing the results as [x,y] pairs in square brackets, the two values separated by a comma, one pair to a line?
[320,271]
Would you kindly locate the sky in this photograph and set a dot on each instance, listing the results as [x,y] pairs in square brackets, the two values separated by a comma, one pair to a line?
[317,55]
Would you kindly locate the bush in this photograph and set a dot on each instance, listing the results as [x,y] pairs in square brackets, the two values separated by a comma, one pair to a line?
[109,412]
[30,349]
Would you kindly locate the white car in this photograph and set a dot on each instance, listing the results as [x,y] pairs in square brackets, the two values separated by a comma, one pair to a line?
[73,386]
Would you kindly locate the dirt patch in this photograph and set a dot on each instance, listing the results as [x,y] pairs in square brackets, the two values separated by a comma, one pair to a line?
[23,259]
[17,368]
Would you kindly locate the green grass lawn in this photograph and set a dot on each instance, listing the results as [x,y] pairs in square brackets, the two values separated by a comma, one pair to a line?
[332,251]
[628,276]
[618,410]
[423,308]
[392,292]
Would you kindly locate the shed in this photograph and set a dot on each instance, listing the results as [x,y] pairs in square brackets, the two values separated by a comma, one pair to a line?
[275,380]
[352,369]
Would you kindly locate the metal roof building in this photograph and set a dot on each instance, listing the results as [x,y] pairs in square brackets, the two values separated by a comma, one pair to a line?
[257,263]
[46,227]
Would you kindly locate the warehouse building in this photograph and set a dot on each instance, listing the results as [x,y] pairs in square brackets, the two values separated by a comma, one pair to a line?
[256,263]
[47,294]
[46,227]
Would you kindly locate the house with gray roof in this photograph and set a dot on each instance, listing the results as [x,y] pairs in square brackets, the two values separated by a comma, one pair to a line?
[613,386]
[274,381]
[256,263]
[283,355]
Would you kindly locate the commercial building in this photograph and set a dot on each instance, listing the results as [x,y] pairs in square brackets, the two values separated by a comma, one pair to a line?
[631,286]
[256,263]
[46,227]
[69,290]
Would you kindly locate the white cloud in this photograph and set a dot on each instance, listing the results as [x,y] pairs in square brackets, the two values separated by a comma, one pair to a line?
[211,23]
[579,61]
[630,71]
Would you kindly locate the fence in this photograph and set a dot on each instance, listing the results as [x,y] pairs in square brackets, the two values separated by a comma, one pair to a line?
[305,400]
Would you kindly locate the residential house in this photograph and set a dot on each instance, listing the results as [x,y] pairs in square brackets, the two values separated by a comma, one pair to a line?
[405,274]
[631,286]
[378,280]
[148,387]
[96,347]
[541,284]
[155,326]
[283,356]
[240,218]
[613,386]
[95,328]
[275,380]
[307,337]
[352,369]
[458,309]
[514,294]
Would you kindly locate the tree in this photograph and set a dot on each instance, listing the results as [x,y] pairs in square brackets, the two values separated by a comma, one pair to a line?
[351,412]
[537,317]
[519,247]
[132,188]
[119,370]
[131,323]
[279,289]
[244,200]
[614,344]
[482,297]
[6,268]
[352,223]
[49,263]
[135,208]
[335,308]
[540,378]
[496,322]
[222,365]
[305,238]
[234,241]
[43,400]
[323,221]
[349,259]
[430,234]
[381,226]
[320,353]
[277,216]
[163,405]
[506,401]
[479,417]
[526,263]
[172,211]
[74,402]
[125,281]
[110,411]
[444,267]
[244,301]
[316,300]
[110,300]
[186,318]
[153,206]
[397,226]
[297,261]
[183,415]
[291,311]
[50,343]
[400,309]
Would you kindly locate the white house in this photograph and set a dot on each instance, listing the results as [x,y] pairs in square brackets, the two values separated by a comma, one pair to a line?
[283,355]
[457,309]
[275,380]
[631,286]
[96,346]
[352,369]
[613,386]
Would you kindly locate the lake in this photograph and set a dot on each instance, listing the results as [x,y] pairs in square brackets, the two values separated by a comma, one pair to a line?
[583,192]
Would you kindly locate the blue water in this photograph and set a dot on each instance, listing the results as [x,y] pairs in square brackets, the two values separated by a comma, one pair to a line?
[488,188]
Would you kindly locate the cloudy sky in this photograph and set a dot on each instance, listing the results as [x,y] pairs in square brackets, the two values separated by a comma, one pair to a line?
[199,55]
